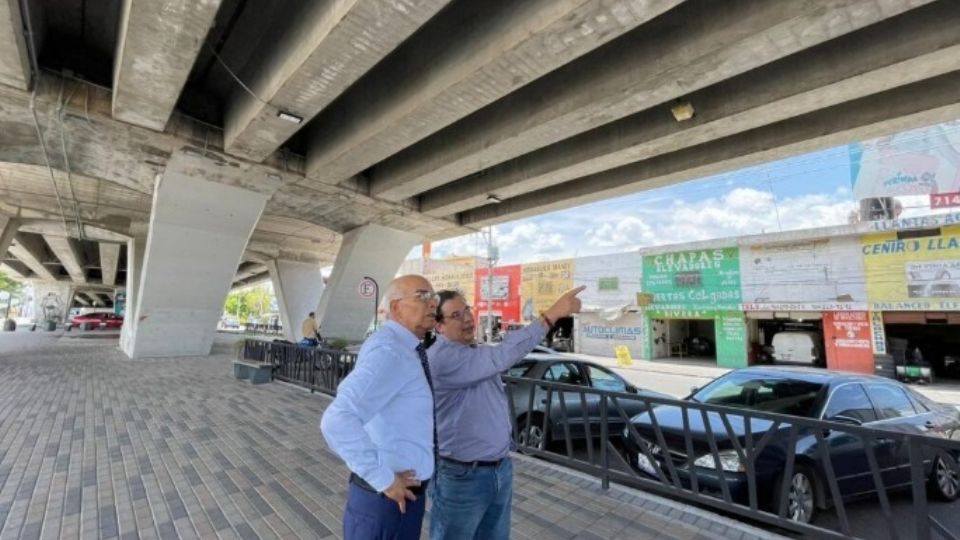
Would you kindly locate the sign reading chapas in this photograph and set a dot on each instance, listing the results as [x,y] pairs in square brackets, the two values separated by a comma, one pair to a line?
[699,279]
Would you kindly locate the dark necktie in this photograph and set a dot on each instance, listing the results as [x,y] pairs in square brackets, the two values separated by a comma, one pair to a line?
[422,353]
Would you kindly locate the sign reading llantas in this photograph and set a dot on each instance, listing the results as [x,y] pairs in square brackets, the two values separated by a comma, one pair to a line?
[944,200]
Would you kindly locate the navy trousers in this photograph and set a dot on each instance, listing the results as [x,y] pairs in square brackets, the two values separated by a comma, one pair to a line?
[372,516]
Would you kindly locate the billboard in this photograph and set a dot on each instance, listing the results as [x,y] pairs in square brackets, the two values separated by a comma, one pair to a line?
[504,296]
[462,280]
[706,279]
[913,272]
[542,283]
[917,162]
[611,281]
[806,275]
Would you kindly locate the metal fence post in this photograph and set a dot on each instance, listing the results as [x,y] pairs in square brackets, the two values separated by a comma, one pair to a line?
[921,519]
[604,435]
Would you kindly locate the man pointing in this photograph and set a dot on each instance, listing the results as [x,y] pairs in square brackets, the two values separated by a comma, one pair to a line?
[472,487]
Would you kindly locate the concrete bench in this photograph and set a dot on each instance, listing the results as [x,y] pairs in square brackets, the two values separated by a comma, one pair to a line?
[256,372]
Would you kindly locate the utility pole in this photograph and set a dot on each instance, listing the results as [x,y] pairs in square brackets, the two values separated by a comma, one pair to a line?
[492,256]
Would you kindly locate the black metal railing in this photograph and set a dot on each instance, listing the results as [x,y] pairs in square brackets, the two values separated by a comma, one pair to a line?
[318,369]
[764,449]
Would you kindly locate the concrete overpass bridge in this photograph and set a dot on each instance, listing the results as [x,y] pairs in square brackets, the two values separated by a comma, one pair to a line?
[179,148]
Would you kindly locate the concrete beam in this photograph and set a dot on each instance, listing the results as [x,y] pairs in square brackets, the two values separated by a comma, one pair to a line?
[31,253]
[109,260]
[156,49]
[500,46]
[11,269]
[65,250]
[8,231]
[14,62]
[908,107]
[648,67]
[331,46]
[859,64]
[127,159]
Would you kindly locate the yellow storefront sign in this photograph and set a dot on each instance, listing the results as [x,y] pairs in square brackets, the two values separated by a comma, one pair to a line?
[542,283]
[913,273]
[458,280]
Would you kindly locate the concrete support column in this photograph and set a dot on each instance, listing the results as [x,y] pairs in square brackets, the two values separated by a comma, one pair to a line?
[371,250]
[136,247]
[297,286]
[51,301]
[198,232]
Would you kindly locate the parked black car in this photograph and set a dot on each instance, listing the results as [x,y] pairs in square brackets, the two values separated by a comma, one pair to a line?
[807,392]
[545,364]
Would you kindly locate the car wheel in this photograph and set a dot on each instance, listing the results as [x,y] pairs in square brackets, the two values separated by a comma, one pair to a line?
[533,435]
[801,496]
[944,480]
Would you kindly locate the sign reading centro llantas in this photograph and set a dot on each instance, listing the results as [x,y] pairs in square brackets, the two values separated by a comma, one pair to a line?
[693,280]
[917,273]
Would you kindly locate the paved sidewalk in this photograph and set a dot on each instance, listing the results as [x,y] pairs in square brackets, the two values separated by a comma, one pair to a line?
[96,446]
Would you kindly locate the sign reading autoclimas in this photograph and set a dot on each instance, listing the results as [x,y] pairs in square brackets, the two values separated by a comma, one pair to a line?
[621,333]
[708,278]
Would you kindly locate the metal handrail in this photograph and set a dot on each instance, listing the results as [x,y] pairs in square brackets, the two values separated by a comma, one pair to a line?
[319,370]
[552,401]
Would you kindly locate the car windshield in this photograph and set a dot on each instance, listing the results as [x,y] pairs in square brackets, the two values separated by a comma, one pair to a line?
[765,393]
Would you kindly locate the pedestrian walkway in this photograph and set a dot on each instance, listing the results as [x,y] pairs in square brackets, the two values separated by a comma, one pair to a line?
[93,445]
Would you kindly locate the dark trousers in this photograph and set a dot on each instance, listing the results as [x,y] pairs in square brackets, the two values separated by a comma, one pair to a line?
[372,516]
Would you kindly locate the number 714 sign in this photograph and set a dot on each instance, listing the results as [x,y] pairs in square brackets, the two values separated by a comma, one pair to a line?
[944,200]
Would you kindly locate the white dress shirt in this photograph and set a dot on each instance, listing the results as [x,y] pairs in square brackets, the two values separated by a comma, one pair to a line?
[381,421]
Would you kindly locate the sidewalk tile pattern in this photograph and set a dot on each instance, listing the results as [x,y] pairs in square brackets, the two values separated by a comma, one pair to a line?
[93,445]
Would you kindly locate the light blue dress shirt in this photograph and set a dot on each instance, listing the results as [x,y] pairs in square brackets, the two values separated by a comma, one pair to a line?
[473,418]
[381,421]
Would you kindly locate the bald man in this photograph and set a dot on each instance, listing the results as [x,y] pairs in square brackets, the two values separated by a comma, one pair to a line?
[382,422]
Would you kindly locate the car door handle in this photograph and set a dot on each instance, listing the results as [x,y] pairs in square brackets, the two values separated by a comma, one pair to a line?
[929,424]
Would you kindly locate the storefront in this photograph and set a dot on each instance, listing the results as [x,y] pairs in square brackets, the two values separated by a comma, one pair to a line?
[498,297]
[600,333]
[695,307]
[913,283]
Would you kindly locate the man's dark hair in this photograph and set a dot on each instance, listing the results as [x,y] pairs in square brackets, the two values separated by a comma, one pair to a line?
[445,295]
[312,314]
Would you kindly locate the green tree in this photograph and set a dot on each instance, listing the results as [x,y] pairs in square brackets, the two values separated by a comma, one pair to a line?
[258,299]
[12,287]
[236,305]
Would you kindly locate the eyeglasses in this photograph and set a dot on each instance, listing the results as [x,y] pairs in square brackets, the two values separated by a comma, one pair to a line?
[460,315]
[426,296]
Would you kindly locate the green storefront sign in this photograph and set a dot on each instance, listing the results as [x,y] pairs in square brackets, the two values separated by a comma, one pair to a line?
[699,279]
[700,284]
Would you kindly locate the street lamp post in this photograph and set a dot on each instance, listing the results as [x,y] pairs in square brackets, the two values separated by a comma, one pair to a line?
[376,300]
[491,260]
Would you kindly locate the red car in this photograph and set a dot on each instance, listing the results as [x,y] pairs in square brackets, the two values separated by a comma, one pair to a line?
[98,320]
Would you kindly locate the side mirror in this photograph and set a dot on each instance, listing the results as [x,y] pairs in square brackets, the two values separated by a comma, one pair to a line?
[694,390]
[631,389]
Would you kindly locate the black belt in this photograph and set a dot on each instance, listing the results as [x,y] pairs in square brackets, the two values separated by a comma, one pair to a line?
[478,463]
[364,485]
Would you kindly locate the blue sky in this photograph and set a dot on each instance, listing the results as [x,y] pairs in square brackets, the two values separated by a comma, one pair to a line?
[805,191]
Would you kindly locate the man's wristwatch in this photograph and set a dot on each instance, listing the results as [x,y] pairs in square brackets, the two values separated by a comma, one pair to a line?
[546,320]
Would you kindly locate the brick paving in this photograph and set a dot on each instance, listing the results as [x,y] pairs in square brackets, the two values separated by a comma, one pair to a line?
[93,445]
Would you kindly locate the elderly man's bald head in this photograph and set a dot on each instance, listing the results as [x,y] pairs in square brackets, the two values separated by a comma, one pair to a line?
[410,301]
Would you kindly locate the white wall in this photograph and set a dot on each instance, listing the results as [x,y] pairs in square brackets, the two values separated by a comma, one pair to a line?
[599,333]
[626,268]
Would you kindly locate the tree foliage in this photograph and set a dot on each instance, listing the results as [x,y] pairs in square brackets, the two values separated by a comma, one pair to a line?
[10,285]
[249,304]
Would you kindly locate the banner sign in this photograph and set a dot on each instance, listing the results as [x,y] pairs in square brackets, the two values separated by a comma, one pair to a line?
[825,271]
[705,279]
[541,284]
[913,274]
[916,162]
[945,200]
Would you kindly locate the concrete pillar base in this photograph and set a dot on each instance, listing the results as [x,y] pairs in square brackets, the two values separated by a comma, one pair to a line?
[297,286]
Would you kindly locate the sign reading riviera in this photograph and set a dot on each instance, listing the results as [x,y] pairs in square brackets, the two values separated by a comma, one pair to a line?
[708,278]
